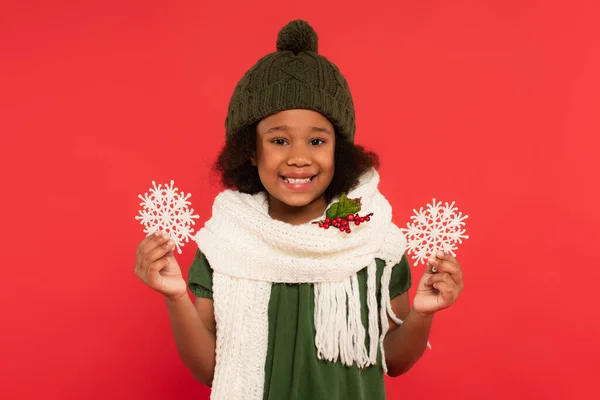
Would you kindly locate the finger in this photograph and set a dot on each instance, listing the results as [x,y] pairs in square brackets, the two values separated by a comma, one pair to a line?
[431,269]
[153,272]
[432,266]
[446,291]
[158,252]
[439,277]
[445,256]
[447,263]
[447,266]
[149,243]
[153,241]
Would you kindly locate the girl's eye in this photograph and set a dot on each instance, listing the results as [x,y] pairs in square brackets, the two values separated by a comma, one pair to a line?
[279,142]
[316,142]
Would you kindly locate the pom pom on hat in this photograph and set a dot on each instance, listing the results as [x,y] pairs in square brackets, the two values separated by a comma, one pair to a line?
[297,36]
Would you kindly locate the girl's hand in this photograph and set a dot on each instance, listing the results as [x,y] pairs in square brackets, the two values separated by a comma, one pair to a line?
[438,290]
[156,266]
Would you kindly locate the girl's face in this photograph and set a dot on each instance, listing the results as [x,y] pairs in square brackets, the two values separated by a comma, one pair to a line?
[295,161]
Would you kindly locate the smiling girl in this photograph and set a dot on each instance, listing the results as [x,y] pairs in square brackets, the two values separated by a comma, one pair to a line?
[301,279]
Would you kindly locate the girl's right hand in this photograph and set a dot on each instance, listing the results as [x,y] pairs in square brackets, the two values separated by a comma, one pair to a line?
[156,266]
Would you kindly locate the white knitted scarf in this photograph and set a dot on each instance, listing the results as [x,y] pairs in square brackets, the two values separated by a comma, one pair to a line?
[249,251]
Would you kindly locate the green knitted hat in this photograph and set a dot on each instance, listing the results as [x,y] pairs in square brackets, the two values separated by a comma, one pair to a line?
[293,77]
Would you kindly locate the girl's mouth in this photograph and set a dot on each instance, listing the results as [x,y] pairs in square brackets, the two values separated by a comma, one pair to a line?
[298,184]
[298,181]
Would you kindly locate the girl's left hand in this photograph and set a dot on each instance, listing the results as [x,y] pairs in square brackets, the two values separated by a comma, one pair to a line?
[438,290]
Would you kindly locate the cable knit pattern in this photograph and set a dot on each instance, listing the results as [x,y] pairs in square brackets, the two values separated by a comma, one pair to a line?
[241,313]
[249,251]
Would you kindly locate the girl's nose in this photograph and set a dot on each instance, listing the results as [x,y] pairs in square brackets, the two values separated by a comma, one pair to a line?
[299,157]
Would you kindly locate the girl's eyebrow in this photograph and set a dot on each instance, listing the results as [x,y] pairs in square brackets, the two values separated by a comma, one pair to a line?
[279,128]
[285,128]
[320,129]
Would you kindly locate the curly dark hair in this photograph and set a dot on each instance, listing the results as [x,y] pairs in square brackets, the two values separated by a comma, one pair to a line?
[237,172]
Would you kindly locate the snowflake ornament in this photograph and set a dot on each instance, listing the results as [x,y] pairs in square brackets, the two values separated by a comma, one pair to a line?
[168,209]
[437,228]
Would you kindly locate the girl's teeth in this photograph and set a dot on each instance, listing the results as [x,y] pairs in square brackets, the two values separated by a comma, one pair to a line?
[297,181]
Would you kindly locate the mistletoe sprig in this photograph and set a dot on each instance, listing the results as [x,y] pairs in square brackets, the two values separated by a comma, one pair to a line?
[340,215]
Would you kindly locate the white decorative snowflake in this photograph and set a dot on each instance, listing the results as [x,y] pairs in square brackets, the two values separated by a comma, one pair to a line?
[437,228]
[167,209]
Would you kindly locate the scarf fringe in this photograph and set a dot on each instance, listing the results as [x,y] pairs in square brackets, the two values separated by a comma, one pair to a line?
[372,310]
[386,310]
[340,333]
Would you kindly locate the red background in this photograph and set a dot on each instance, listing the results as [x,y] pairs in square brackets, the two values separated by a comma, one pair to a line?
[492,104]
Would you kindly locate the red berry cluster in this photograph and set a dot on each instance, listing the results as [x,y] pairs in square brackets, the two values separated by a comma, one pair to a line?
[343,224]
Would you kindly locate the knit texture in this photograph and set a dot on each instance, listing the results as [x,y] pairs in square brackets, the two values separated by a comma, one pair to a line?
[293,77]
[249,251]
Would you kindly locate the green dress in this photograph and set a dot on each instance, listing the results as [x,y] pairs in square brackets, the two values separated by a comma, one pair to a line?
[292,369]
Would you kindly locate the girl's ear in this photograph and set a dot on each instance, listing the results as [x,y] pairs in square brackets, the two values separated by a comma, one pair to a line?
[253,160]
